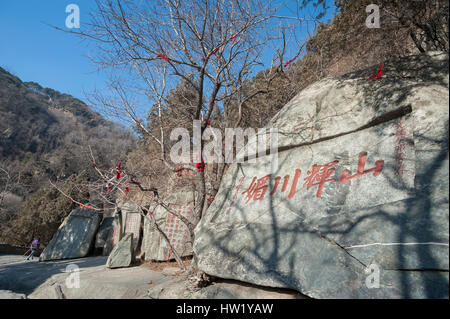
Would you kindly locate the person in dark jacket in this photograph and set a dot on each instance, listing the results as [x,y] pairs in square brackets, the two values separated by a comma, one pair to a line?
[34,246]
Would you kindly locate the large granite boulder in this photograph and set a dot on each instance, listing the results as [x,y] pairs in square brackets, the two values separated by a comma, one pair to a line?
[122,254]
[154,245]
[74,237]
[356,206]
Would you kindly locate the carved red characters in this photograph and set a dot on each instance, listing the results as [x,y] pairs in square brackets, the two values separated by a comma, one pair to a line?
[318,176]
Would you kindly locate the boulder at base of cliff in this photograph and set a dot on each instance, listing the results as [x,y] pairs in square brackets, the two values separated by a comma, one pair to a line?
[122,254]
[355,204]
[74,238]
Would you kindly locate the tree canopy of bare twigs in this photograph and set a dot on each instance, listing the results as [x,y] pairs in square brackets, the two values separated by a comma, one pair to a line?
[186,61]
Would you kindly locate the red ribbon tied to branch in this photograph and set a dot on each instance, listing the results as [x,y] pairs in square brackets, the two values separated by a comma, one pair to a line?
[379,73]
[214,52]
[200,166]
[119,174]
[86,206]
[234,38]
[162,56]
[288,62]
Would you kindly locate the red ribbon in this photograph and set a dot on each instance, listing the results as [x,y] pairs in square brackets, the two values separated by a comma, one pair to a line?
[288,62]
[379,73]
[85,206]
[119,174]
[162,56]
[200,166]
[214,52]
[170,251]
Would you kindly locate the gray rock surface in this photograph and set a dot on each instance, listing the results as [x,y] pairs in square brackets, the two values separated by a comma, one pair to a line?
[175,288]
[74,238]
[6,294]
[154,245]
[24,277]
[360,188]
[34,280]
[116,235]
[122,254]
[100,282]
[104,234]
[131,222]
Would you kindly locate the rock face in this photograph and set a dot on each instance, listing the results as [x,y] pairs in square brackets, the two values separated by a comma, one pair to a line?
[131,222]
[104,234]
[7,294]
[357,204]
[154,245]
[74,237]
[122,254]
[116,235]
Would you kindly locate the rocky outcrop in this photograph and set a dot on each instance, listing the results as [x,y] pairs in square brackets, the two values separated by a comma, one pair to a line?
[356,206]
[122,254]
[116,234]
[7,294]
[104,234]
[131,222]
[74,238]
[154,245]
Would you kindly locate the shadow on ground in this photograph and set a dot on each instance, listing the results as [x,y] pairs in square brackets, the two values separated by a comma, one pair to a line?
[22,276]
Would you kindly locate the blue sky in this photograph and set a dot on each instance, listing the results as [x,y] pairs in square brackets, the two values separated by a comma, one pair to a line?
[34,51]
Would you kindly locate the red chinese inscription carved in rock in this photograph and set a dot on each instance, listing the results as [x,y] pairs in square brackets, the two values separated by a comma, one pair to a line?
[318,176]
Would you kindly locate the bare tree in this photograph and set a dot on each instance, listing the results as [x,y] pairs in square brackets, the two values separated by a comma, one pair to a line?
[426,20]
[213,47]
[9,202]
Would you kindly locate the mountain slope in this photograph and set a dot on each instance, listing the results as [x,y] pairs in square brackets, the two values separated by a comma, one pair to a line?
[45,135]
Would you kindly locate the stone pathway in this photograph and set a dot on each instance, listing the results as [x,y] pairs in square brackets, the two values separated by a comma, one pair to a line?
[41,279]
